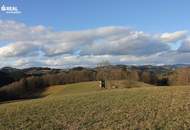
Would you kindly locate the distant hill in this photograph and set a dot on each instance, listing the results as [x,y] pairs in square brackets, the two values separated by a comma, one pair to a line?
[9,75]
[159,73]
[40,71]
[25,81]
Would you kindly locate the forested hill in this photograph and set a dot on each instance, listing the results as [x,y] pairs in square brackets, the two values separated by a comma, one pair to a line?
[158,75]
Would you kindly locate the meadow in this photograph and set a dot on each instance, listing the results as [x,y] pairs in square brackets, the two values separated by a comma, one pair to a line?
[86,106]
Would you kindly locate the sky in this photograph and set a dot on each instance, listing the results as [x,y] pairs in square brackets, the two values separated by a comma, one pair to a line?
[67,33]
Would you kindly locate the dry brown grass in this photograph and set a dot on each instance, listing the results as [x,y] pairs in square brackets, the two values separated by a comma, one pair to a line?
[84,106]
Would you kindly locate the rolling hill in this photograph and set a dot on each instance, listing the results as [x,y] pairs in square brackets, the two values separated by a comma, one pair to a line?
[85,106]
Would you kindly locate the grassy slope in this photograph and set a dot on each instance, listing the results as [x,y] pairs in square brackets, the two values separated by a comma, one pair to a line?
[84,106]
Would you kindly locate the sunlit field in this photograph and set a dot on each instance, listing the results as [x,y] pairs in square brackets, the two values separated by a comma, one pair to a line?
[86,106]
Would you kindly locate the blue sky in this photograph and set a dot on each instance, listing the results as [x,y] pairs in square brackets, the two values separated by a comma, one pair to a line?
[62,33]
[146,15]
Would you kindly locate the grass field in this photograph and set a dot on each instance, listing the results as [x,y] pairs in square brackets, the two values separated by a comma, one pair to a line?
[85,106]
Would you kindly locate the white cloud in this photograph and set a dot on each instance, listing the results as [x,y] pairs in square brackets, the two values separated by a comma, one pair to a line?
[134,43]
[185,46]
[18,49]
[173,36]
[39,45]
[171,57]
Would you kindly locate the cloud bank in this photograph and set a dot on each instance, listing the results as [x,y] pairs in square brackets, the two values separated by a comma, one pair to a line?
[25,46]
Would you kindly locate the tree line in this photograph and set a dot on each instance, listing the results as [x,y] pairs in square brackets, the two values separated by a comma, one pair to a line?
[30,87]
